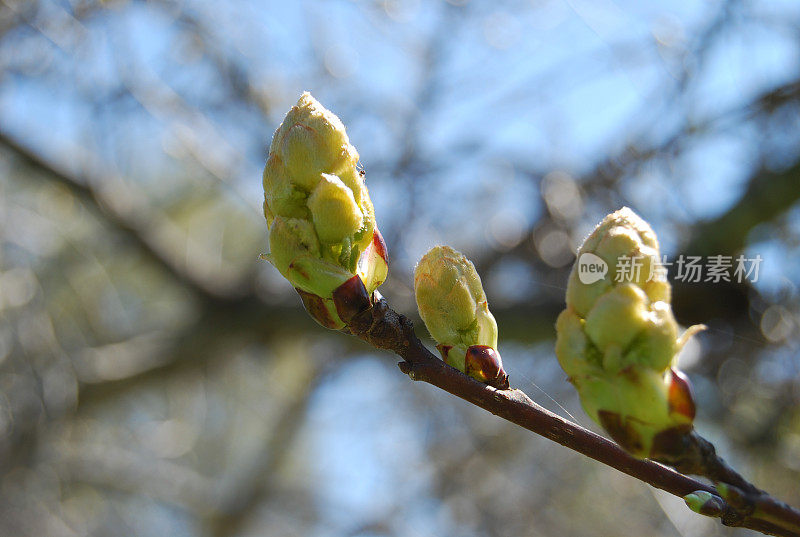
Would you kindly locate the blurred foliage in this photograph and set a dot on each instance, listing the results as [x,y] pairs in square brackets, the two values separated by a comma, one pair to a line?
[157,379]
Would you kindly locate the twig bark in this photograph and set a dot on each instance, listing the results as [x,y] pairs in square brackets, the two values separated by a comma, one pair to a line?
[383,328]
[699,457]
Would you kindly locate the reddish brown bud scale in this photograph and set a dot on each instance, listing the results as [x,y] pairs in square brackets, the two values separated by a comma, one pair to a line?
[317,308]
[444,350]
[680,396]
[351,298]
[713,507]
[483,363]
[621,431]
[670,443]
[380,245]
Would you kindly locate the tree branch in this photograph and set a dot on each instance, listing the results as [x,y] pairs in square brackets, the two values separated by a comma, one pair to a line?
[699,457]
[385,329]
[133,226]
[768,195]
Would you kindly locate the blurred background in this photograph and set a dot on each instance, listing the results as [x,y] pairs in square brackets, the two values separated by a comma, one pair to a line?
[156,378]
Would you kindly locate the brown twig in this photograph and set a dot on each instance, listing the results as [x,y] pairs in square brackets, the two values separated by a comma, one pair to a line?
[383,328]
[699,457]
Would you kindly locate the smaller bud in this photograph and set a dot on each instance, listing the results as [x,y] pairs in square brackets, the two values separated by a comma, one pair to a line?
[453,306]
[705,503]
[484,364]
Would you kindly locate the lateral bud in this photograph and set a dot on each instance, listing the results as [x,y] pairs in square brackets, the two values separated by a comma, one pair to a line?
[453,306]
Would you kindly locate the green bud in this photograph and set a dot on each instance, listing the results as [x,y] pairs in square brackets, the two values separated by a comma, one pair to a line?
[334,210]
[617,338]
[453,306]
[705,503]
[322,229]
[310,141]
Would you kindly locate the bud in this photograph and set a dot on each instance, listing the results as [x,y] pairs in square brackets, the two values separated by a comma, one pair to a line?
[618,340]
[322,231]
[705,503]
[453,306]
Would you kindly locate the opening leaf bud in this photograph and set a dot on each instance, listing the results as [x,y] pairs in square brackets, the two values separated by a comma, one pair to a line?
[321,221]
[618,340]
